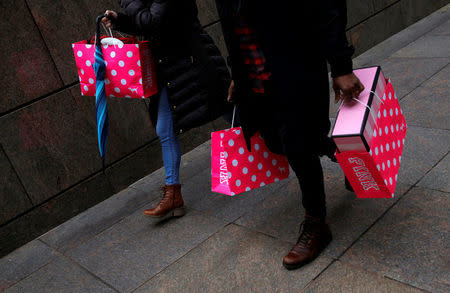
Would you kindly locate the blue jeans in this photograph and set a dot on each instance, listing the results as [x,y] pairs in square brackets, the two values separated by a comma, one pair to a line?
[169,143]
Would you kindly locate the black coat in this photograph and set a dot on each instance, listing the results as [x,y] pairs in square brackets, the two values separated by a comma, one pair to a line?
[297,38]
[188,62]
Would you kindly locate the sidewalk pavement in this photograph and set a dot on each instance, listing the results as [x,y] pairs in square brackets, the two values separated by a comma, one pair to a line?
[236,244]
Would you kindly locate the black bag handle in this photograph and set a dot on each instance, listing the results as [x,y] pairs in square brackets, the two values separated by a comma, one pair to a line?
[97,29]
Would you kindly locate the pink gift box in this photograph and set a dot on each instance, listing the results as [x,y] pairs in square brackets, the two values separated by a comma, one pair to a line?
[355,122]
[371,160]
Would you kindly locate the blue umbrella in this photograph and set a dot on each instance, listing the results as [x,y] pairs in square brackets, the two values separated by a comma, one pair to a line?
[100,95]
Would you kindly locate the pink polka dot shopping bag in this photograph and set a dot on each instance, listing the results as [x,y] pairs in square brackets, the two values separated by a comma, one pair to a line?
[370,135]
[235,170]
[130,69]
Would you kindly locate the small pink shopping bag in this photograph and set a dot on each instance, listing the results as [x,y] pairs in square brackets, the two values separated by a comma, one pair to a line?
[370,158]
[130,69]
[235,170]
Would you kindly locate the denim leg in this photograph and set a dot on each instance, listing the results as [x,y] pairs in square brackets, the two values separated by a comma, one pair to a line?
[169,143]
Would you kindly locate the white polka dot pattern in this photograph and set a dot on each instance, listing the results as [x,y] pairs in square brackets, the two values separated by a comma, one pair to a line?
[386,161]
[375,173]
[126,68]
[246,170]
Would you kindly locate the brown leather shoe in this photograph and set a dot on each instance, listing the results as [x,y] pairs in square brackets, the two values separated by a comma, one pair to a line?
[171,203]
[315,235]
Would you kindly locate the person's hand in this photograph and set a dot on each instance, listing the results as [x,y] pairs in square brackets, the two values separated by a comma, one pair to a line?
[110,17]
[230,91]
[347,87]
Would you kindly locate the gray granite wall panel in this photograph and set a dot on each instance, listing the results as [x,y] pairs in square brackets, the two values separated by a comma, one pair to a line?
[377,28]
[207,12]
[215,31]
[358,10]
[13,199]
[129,124]
[50,145]
[382,4]
[413,10]
[63,23]
[27,70]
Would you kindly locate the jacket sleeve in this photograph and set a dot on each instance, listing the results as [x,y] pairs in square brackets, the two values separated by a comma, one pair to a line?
[334,40]
[143,17]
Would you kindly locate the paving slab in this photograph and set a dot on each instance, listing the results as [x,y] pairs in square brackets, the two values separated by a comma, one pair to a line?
[442,30]
[341,277]
[410,243]
[389,46]
[424,148]
[195,177]
[98,218]
[427,106]
[427,46]
[235,260]
[198,196]
[61,275]
[24,261]
[54,212]
[192,163]
[137,248]
[438,177]
[280,215]
[406,74]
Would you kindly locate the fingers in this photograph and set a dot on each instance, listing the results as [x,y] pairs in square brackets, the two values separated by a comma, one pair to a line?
[337,93]
[106,22]
[358,88]
[347,87]
[109,17]
[111,14]
[230,91]
[347,94]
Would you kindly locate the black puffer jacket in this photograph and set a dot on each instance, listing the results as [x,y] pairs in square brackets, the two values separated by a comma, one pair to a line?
[188,62]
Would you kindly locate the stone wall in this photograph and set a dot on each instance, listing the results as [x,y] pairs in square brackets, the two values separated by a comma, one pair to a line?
[50,167]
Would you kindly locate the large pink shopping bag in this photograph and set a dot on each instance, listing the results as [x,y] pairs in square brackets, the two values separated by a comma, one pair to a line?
[235,170]
[370,136]
[130,69]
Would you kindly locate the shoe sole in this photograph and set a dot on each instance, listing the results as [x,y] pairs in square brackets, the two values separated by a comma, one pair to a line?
[291,267]
[176,213]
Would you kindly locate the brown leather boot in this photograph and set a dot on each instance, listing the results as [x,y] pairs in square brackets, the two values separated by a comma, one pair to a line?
[171,203]
[315,235]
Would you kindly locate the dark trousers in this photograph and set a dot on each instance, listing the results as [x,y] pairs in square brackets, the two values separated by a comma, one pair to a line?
[293,115]
[305,162]
[300,118]
[308,169]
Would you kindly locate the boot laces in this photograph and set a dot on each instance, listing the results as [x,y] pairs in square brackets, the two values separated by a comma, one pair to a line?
[163,190]
[307,233]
